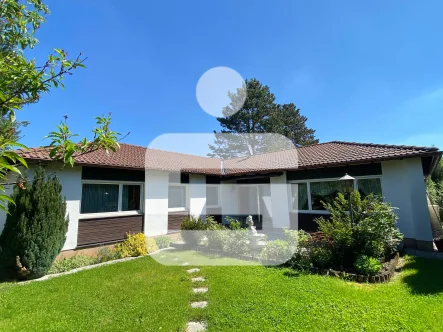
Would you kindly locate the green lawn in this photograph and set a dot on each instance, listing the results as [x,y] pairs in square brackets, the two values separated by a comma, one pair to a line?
[143,295]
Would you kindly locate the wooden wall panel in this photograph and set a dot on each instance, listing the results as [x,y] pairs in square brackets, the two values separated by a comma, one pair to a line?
[175,219]
[105,230]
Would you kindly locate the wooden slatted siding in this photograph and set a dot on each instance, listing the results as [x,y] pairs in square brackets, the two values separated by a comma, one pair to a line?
[105,230]
[175,219]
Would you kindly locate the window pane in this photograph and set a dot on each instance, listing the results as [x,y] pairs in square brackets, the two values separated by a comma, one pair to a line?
[368,186]
[212,196]
[131,198]
[299,196]
[324,192]
[177,196]
[99,198]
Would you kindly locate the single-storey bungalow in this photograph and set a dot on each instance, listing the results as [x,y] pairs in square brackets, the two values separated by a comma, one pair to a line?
[138,189]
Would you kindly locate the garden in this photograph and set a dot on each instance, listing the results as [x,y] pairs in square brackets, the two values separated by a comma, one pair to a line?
[360,245]
[155,292]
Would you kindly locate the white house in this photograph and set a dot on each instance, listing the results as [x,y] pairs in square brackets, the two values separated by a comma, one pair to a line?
[138,189]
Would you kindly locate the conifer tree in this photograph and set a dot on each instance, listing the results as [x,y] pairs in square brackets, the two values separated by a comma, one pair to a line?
[35,229]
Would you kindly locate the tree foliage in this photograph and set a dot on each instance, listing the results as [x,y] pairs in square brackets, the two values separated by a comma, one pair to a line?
[35,229]
[245,132]
[23,82]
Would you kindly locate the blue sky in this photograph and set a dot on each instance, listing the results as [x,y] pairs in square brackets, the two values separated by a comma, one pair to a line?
[367,71]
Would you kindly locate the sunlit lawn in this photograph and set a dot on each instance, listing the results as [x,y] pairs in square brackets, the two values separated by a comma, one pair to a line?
[143,295]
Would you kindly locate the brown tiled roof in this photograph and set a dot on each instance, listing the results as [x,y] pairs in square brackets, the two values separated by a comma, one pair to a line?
[137,157]
[320,155]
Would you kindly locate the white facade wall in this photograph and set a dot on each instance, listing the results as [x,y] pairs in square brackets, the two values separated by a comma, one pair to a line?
[229,198]
[197,196]
[280,201]
[70,179]
[156,203]
[403,185]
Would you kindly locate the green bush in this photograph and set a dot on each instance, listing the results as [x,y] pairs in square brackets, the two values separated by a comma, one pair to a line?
[35,228]
[192,228]
[277,250]
[163,241]
[234,224]
[106,254]
[372,232]
[67,264]
[133,246]
[367,265]
[321,256]
[217,237]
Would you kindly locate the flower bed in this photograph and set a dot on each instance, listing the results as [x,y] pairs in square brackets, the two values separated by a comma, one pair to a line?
[385,275]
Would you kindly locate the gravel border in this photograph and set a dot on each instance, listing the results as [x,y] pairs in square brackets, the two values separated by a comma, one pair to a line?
[88,267]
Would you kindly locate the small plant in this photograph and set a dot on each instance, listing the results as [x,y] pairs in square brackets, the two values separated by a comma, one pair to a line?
[151,245]
[192,228]
[234,224]
[133,246]
[163,241]
[277,250]
[217,237]
[106,254]
[367,265]
[67,264]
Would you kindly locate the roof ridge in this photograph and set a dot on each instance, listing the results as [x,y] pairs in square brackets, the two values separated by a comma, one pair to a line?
[414,147]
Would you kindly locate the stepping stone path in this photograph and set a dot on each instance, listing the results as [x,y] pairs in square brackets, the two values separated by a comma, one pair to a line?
[193,270]
[198,279]
[200,304]
[200,290]
[185,264]
[196,327]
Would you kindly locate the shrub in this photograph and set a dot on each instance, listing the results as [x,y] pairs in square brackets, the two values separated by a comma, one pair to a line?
[192,228]
[296,238]
[277,250]
[321,256]
[217,237]
[372,232]
[35,228]
[133,246]
[189,229]
[67,264]
[234,224]
[106,254]
[367,265]
[163,241]
[151,245]
[237,241]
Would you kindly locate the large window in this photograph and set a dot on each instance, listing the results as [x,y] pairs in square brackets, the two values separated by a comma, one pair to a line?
[324,192]
[212,195]
[369,186]
[110,197]
[309,195]
[177,196]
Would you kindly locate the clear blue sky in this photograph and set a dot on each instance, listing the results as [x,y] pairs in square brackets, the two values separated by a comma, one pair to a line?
[368,71]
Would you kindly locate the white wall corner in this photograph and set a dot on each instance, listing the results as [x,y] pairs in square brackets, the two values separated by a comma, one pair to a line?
[156,202]
[197,195]
[280,201]
[404,187]
[419,203]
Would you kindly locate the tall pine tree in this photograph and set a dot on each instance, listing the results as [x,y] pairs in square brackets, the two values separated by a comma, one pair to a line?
[245,132]
[35,228]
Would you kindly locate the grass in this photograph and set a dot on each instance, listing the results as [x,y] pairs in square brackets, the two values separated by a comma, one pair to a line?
[139,295]
[145,295]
